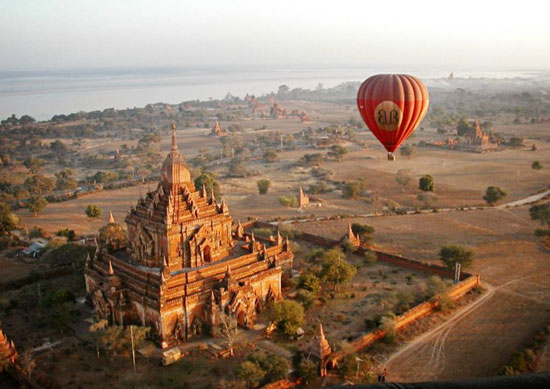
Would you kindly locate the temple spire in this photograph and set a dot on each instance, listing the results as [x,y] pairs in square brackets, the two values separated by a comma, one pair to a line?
[174,143]
[111,271]
[111,217]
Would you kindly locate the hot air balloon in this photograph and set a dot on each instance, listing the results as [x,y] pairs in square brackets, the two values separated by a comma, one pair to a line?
[392,106]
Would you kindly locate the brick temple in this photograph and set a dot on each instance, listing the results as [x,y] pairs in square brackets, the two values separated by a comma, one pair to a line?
[185,263]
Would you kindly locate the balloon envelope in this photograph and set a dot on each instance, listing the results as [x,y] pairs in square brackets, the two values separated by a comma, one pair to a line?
[392,106]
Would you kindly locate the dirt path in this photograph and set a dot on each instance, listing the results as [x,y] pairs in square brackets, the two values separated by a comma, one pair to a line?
[428,350]
[526,200]
[517,203]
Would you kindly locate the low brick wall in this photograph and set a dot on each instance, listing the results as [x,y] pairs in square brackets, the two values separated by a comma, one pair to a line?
[466,284]
[455,292]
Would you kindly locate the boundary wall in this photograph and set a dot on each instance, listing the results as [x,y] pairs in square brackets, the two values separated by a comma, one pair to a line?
[466,283]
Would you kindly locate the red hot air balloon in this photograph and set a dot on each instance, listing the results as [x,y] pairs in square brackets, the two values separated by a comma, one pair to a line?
[392,106]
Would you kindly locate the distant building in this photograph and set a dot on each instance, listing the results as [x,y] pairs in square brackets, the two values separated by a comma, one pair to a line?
[320,349]
[351,237]
[278,111]
[304,118]
[217,130]
[303,199]
[477,140]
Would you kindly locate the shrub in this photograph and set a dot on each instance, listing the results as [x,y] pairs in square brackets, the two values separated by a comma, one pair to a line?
[263,186]
[289,201]
[93,211]
[450,255]
[388,325]
[289,315]
[426,183]
[369,257]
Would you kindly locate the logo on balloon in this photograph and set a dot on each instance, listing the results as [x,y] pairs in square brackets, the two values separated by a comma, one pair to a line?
[388,116]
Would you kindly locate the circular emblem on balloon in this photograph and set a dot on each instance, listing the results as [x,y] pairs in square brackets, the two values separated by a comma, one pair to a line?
[388,115]
[392,106]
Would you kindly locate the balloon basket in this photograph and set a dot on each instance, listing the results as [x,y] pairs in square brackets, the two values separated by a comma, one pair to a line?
[391,157]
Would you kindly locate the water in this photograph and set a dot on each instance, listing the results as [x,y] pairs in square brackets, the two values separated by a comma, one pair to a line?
[43,94]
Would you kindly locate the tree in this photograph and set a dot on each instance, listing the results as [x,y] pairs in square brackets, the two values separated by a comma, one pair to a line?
[39,184]
[335,269]
[516,141]
[493,194]
[237,169]
[463,127]
[283,89]
[337,152]
[407,150]
[275,366]
[60,307]
[36,204]
[288,314]
[270,155]
[251,373]
[113,235]
[352,190]
[93,211]
[364,231]
[117,340]
[65,180]
[319,188]
[8,220]
[536,165]
[263,186]
[541,212]
[288,201]
[310,282]
[403,177]
[208,179]
[451,255]
[33,164]
[58,147]
[426,183]
[388,326]
[308,370]
[312,159]
[228,329]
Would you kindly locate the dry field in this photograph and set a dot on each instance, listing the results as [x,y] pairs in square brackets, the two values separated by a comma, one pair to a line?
[70,214]
[511,262]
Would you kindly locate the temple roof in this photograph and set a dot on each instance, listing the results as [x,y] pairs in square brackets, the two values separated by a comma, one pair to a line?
[174,169]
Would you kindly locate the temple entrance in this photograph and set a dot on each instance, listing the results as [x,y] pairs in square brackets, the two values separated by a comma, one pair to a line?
[207,255]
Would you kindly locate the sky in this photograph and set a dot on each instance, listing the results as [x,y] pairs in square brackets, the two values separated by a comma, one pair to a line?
[67,34]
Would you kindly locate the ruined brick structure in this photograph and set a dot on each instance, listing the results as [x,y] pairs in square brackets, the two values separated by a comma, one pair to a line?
[477,140]
[320,349]
[185,263]
[217,130]
[303,199]
[278,111]
[351,237]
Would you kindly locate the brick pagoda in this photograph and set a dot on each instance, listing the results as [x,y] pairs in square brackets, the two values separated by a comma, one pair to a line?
[185,263]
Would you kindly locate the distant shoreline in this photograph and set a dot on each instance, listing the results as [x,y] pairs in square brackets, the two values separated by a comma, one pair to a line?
[42,94]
